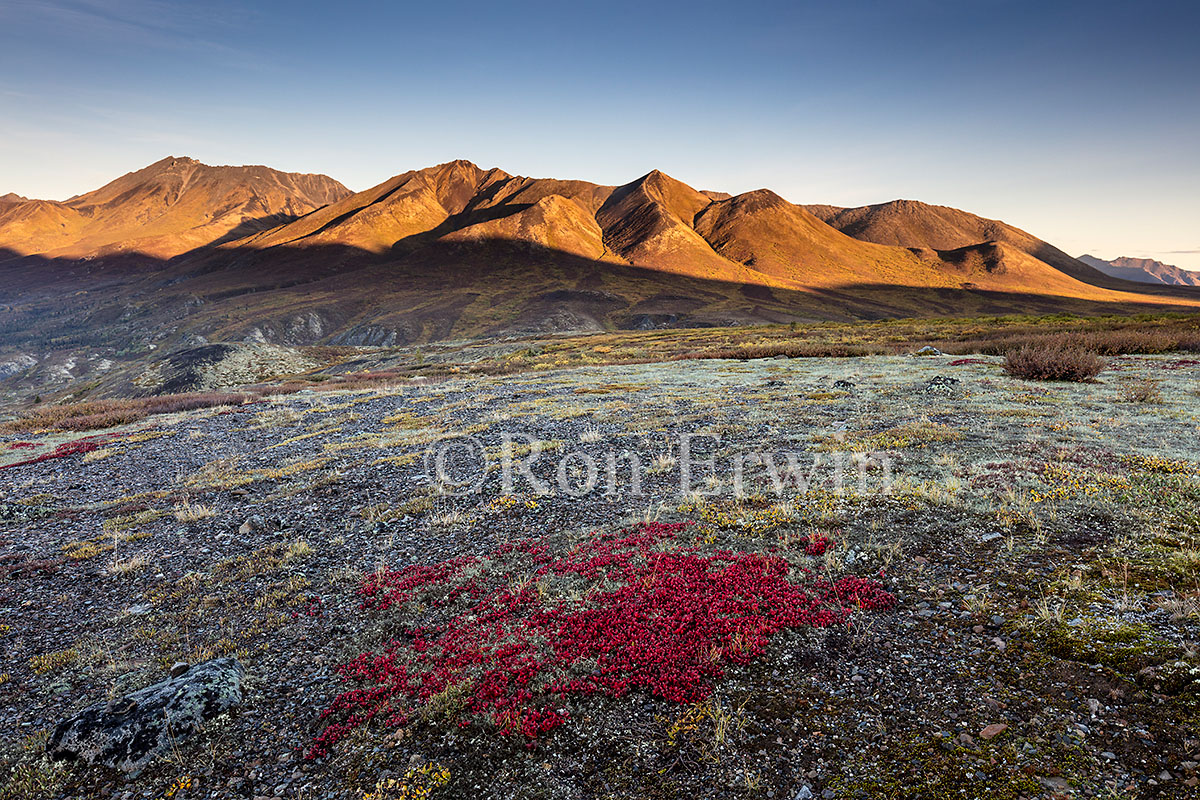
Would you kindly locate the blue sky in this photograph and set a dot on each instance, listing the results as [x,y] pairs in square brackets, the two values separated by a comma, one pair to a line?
[1076,121]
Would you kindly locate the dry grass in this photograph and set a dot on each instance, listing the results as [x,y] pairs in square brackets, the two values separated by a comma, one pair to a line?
[1114,335]
[450,518]
[1145,390]
[193,513]
[130,565]
[298,548]
[1111,335]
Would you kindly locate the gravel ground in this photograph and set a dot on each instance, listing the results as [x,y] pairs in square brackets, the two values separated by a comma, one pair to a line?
[1040,540]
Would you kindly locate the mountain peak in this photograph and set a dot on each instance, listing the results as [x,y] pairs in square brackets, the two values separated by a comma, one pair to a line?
[170,162]
[756,199]
[171,206]
[459,162]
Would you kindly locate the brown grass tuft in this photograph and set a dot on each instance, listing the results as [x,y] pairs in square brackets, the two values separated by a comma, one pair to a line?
[1145,390]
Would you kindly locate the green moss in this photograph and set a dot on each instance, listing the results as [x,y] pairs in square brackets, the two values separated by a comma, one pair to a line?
[1121,646]
[923,768]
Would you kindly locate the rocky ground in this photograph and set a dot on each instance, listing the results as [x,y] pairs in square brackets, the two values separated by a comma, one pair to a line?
[1040,540]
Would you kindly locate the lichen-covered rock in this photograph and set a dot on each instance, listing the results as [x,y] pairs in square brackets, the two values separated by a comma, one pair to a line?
[942,384]
[130,732]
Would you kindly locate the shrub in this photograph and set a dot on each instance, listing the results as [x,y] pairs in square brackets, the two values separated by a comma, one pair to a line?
[1050,362]
[747,352]
[98,414]
[1120,342]
[1111,341]
[99,421]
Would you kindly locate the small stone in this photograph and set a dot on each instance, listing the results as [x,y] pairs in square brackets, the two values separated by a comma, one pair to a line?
[993,730]
[179,668]
[252,524]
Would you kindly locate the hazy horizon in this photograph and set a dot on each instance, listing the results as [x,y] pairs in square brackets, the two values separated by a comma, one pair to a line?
[1075,122]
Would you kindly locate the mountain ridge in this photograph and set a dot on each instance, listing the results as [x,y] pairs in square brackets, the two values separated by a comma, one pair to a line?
[460,251]
[1143,270]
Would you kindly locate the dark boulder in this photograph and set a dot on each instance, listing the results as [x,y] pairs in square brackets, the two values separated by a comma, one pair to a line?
[130,732]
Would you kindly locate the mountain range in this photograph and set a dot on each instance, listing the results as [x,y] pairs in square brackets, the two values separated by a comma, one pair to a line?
[180,253]
[1143,270]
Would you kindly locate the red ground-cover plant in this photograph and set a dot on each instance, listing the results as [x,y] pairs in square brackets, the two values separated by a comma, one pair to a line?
[77,447]
[19,565]
[817,544]
[635,610]
[1182,364]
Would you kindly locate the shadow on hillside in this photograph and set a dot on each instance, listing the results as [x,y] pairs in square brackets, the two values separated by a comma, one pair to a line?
[249,227]
[436,290]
